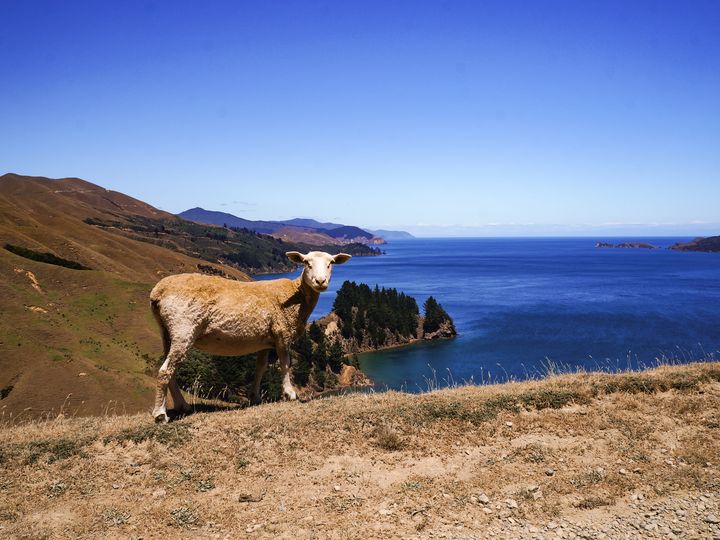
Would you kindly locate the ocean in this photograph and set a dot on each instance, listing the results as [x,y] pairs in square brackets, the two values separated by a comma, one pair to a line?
[522,305]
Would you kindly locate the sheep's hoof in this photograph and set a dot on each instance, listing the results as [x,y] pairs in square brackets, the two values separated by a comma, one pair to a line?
[255,400]
[162,418]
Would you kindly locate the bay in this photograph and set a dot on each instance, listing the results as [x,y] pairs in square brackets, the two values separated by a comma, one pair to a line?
[522,305]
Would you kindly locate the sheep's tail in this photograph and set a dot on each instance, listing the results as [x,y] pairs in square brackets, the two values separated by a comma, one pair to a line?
[155,306]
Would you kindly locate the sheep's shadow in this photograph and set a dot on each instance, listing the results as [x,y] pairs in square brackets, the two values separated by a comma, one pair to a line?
[177,414]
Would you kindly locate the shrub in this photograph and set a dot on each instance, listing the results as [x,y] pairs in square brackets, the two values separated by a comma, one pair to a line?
[48,258]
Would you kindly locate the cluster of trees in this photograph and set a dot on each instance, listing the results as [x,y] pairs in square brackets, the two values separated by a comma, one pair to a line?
[370,314]
[318,359]
[435,315]
[45,257]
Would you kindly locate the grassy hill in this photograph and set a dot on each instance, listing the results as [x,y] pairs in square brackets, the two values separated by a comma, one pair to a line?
[78,262]
[71,336]
[577,456]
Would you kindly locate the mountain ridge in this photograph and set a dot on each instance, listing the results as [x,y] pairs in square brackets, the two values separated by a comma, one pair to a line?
[295,229]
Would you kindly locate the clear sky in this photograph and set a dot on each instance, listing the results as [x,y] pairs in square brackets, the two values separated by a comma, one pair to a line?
[442,118]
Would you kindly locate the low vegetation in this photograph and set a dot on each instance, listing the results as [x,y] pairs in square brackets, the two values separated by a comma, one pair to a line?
[225,378]
[585,453]
[48,258]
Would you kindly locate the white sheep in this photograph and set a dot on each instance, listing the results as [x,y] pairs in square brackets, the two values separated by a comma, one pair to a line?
[229,318]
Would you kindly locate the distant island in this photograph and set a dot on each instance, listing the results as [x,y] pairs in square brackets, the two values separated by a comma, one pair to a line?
[709,244]
[626,245]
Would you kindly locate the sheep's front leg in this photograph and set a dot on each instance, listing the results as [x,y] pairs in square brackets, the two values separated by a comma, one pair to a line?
[261,364]
[178,400]
[284,361]
[177,352]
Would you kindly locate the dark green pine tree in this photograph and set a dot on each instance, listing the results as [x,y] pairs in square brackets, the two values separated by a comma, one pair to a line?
[303,366]
[320,355]
[435,315]
[316,333]
[336,356]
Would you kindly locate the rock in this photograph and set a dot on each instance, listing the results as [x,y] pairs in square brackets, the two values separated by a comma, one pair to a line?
[549,472]
[537,495]
[337,488]
[623,471]
[712,518]
[351,376]
[511,503]
[552,525]
[533,487]
[159,493]
[509,424]
[484,499]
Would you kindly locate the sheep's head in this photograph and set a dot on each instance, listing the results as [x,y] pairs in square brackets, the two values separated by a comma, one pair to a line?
[318,267]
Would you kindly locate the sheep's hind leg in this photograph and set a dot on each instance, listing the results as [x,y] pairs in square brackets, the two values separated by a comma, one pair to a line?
[284,360]
[261,365]
[165,374]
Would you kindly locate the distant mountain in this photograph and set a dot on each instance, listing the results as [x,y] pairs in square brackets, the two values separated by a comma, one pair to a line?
[291,230]
[392,235]
[311,223]
[350,233]
[221,219]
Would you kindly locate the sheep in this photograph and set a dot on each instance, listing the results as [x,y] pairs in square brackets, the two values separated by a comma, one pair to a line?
[225,317]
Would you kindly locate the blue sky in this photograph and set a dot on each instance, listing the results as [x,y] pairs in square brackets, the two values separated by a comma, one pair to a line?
[443,118]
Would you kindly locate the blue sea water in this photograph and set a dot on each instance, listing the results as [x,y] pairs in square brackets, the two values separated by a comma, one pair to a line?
[520,304]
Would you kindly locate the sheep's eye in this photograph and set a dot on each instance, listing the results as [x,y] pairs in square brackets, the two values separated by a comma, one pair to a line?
[328,265]
[310,266]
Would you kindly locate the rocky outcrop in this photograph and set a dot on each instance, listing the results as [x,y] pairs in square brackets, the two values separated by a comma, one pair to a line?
[446,331]
[352,376]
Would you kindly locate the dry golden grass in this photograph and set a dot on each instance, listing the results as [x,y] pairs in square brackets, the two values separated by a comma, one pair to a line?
[373,465]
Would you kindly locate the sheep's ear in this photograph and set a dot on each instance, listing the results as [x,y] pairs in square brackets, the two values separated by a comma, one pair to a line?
[341,258]
[296,257]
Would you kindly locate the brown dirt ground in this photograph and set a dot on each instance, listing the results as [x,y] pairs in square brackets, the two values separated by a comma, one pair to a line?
[385,465]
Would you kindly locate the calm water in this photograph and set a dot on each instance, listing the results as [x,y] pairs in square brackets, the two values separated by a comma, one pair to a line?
[519,303]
